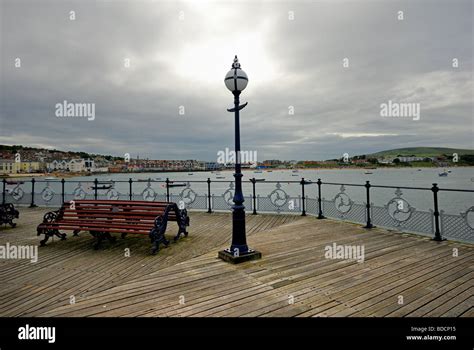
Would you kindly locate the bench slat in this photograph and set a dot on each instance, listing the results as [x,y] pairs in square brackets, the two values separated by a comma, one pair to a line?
[110,212]
[105,229]
[118,224]
[113,214]
[122,203]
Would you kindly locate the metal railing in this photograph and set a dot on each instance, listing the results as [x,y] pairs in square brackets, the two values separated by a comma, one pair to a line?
[267,196]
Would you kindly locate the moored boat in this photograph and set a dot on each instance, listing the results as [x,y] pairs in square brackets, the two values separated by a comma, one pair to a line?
[14,182]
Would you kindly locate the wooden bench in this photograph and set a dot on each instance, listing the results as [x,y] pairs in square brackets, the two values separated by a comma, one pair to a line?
[103,217]
[8,213]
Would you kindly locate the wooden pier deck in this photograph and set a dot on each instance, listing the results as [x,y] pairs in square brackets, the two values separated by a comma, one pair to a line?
[402,275]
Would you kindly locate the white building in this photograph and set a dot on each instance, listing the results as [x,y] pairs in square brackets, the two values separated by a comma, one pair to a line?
[407,159]
[58,165]
[385,160]
[73,165]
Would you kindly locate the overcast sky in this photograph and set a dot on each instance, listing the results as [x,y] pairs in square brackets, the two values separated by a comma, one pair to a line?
[179,53]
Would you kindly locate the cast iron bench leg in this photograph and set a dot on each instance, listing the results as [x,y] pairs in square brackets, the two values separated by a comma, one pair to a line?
[50,218]
[157,234]
[183,221]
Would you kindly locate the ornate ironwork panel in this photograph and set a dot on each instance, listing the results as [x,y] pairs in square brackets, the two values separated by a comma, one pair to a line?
[148,194]
[399,209]
[79,192]
[458,227]
[342,202]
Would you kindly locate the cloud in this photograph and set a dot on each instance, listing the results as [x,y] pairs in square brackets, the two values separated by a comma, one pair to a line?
[180,52]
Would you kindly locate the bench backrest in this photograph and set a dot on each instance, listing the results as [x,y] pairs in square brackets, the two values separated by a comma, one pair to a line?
[113,209]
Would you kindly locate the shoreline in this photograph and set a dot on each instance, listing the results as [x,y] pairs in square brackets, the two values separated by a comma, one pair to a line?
[264,170]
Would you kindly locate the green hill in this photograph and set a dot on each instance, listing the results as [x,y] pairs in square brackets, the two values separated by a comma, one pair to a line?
[422,152]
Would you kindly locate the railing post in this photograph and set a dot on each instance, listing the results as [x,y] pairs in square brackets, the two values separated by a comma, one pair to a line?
[303,212]
[32,205]
[96,183]
[167,189]
[254,197]
[320,208]
[435,190]
[62,189]
[130,188]
[209,210]
[369,221]
[4,190]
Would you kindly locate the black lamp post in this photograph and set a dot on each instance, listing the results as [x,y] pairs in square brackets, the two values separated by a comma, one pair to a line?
[236,81]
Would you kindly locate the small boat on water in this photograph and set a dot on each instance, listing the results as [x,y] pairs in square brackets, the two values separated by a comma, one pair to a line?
[294,175]
[295,171]
[177,184]
[14,182]
[144,180]
[368,172]
[220,177]
[449,171]
[257,172]
[419,169]
[103,187]
[158,179]
[190,174]
[444,173]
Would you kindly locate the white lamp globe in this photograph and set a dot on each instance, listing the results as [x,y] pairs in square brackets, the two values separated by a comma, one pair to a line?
[236,79]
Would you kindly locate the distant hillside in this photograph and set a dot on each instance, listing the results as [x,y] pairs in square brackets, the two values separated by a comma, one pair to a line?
[12,149]
[422,152]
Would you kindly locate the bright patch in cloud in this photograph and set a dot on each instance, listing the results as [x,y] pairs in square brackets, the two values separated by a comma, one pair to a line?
[349,135]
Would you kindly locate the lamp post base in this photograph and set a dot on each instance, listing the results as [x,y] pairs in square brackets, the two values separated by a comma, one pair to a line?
[227,256]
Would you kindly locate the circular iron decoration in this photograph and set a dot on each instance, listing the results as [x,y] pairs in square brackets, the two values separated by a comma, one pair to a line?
[17,193]
[278,197]
[149,193]
[342,201]
[188,195]
[47,194]
[398,208]
[112,194]
[468,216]
[79,192]
[229,194]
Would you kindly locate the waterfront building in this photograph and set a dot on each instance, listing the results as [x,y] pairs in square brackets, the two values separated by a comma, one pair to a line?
[408,159]
[9,166]
[73,165]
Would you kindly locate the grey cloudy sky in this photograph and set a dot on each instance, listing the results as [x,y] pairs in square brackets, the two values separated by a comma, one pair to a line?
[179,53]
